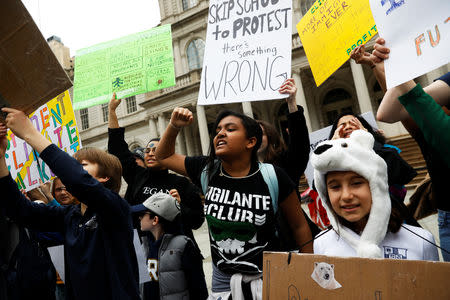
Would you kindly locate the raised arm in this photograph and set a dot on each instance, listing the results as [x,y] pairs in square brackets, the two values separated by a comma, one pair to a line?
[391,110]
[165,152]
[20,209]
[298,144]
[429,117]
[117,145]
[83,186]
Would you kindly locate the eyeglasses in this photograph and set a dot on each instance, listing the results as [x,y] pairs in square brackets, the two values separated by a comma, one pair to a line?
[60,189]
[148,150]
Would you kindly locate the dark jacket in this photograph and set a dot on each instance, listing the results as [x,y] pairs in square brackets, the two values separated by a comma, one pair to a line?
[143,182]
[100,260]
[295,159]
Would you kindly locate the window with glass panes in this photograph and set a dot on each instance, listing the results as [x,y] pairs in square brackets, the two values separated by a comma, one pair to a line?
[105,112]
[84,116]
[131,104]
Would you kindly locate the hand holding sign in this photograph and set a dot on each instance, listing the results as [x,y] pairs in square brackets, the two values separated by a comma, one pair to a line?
[22,127]
[3,139]
[18,122]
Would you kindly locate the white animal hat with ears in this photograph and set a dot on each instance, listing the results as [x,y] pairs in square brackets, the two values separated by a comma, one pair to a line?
[356,154]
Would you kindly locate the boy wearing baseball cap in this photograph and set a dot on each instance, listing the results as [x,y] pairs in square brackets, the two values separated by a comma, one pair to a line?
[173,262]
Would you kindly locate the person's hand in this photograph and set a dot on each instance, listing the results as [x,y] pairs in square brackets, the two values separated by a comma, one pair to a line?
[36,194]
[174,193]
[3,139]
[18,122]
[288,87]
[360,56]
[380,52]
[46,189]
[24,192]
[356,123]
[338,132]
[181,117]
[114,102]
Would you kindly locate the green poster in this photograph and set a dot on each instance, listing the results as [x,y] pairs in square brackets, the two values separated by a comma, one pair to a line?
[129,66]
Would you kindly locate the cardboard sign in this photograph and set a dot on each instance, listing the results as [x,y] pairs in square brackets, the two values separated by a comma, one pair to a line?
[30,74]
[330,30]
[129,66]
[248,51]
[318,136]
[56,121]
[308,276]
[417,33]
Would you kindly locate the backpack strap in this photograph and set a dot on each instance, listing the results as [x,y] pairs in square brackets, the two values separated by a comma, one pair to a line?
[204,178]
[270,178]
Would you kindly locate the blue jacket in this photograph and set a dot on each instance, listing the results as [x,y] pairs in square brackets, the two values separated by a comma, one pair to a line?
[100,260]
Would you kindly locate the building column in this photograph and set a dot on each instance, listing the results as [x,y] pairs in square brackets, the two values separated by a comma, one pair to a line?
[362,92]
[300,98]
[161,124]
[152,127]
[182,141]
[203,129]
[189,139]
[177,57]
[247,109]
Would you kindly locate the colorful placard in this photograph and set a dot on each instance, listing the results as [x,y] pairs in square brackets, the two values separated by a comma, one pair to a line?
[417,33]
[56,121]
[330,30]
[129,66]
[248,51]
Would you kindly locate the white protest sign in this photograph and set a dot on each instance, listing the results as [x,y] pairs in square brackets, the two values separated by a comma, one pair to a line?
[417,33]
[57,257]
[144,275]
[318,136]
[248,51]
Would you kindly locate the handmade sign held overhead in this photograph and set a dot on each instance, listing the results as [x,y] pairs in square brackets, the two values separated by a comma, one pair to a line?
[330,30]
[417,33]
[307,276]
[129,66]
[248,51]
[56,121]
[30,74]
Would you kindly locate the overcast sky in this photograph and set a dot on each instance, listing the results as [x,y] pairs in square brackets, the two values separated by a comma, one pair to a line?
[83,23]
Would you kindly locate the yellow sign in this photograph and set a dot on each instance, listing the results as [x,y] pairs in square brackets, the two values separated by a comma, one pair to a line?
[56,121]
[330,30]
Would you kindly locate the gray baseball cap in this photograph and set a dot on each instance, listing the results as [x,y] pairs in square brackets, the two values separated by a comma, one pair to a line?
[164,205]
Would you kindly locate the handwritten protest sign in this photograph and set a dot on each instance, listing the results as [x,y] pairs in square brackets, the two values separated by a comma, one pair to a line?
[56,121]
[417,33]
[247,52]
[131,65]
[318,136]
[330,30]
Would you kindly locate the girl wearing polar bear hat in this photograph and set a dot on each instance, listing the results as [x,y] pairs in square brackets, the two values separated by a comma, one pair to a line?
[352,179]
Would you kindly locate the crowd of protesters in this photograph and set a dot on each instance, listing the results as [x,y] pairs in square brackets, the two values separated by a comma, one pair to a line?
[246,189]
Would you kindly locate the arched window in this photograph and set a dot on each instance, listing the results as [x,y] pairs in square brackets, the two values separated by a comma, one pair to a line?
[188,4]
[336,102]
[195,52]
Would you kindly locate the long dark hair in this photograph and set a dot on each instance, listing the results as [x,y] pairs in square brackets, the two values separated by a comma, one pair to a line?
[275,144]
[252,129]
[376,135]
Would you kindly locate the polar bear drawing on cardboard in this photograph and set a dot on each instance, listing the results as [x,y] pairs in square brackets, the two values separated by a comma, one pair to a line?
[323,274]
